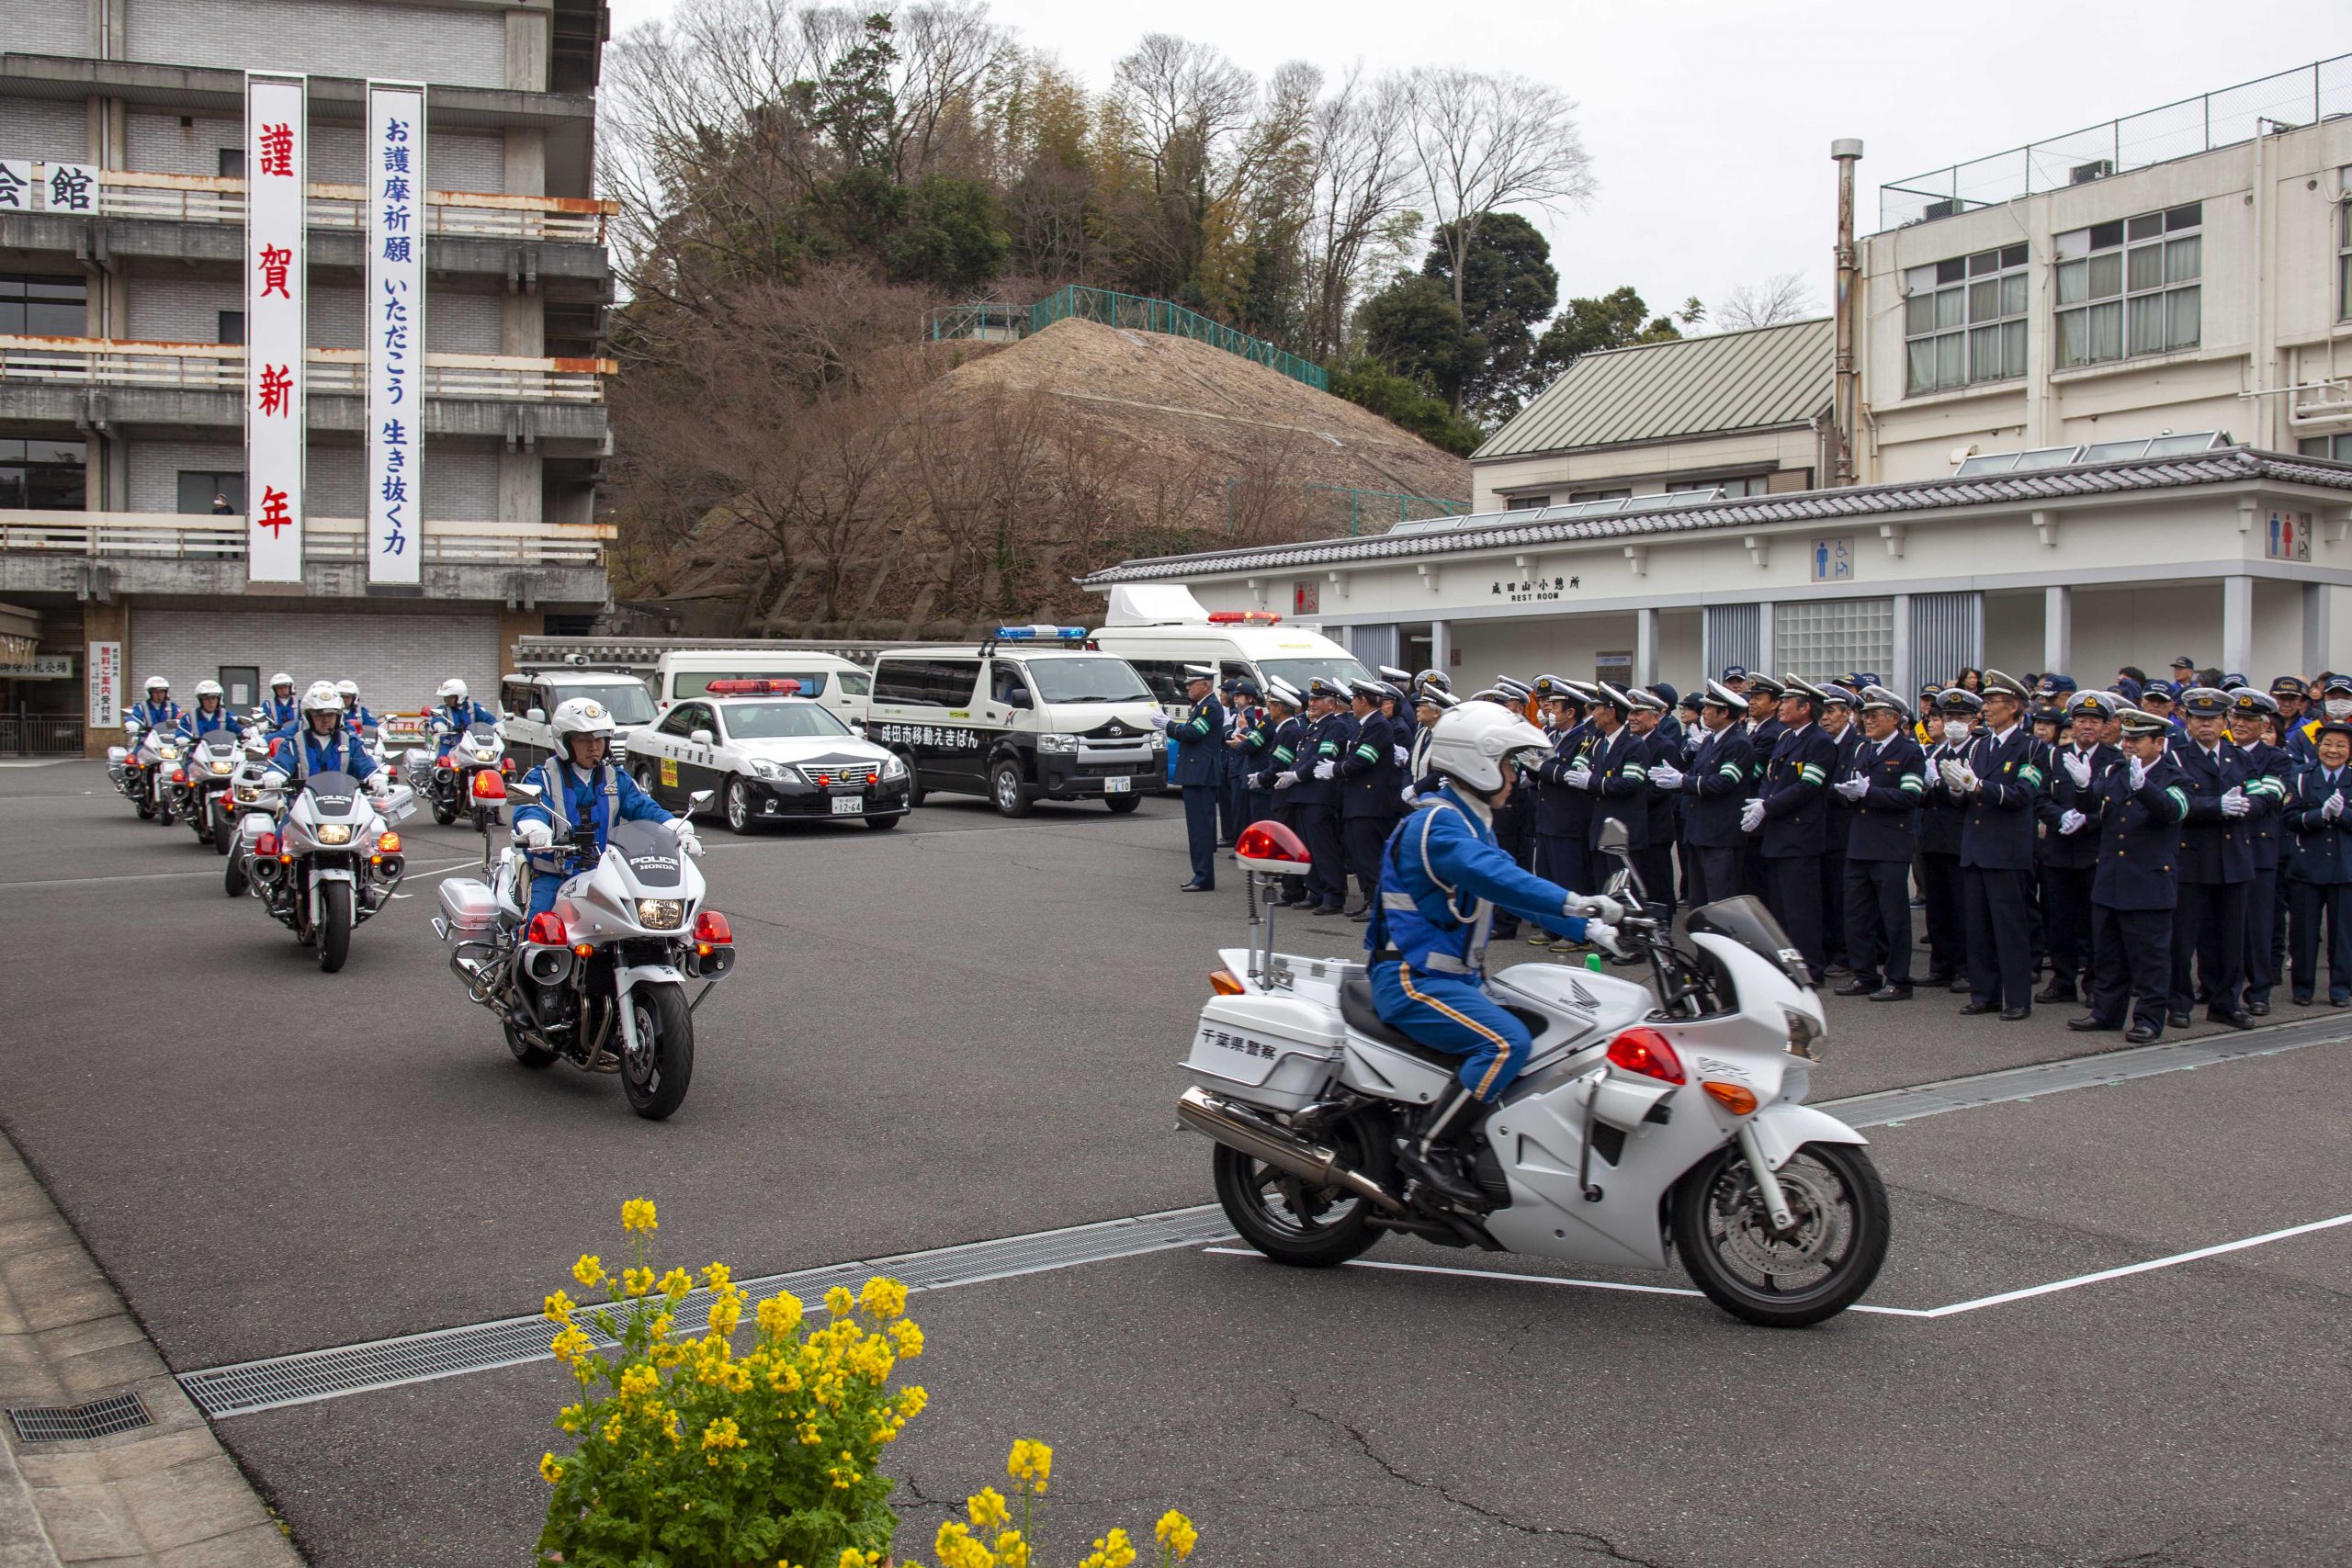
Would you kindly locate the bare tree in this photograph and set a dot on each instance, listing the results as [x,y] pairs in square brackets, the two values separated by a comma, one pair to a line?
[1180,111]
[1483,141]
[1363,177]
[1783,297]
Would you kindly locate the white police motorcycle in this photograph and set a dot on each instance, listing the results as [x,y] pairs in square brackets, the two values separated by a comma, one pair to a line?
[330,863]
[1640,1128]
[141,768]
[446,784]
[599,981]
[201,783]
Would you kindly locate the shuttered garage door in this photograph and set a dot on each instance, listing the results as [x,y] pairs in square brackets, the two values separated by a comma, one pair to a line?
[397,658]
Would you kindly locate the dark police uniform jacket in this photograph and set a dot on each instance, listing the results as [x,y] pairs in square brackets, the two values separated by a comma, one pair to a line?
[1796,793]
[2322,852]
[1281,754]
[2214,848]
[1997,831]
[1885,823]
[1850,740]
[1200,741]
[1369,777]
[1762,737]
[2077,850]
[2138,834]
[1563,811]
[2274,770]
[1328,739]
[1943,814]
[1714,787]
[1620,764]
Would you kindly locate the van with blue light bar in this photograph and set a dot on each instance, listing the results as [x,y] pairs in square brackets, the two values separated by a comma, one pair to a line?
[1034,713]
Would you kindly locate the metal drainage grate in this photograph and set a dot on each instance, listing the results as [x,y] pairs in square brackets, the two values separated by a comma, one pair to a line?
[479,1348]
[80,1423]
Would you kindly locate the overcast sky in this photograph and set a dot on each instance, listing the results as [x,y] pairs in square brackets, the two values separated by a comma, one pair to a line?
[1710,122]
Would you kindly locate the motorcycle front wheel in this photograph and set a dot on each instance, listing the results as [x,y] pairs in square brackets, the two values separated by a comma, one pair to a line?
[1818,1269]
[233,877]
[655,1074]
[224,828]
[334,925]
[1290,1222]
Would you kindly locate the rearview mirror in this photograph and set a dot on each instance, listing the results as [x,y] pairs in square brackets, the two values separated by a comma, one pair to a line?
[1613,839]
[700,801]
[524,792]
[701,738]
[1017,698]
[537,715]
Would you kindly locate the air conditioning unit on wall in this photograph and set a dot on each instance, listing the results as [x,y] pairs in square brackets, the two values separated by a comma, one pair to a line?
[2096,169]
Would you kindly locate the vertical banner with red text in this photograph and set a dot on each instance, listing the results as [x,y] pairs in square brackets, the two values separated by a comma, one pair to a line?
[394,323]
[276,192]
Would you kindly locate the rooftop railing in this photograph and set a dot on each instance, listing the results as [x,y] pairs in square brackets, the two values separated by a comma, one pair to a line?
[164,535]
[208,366]
[2290,99]
[205,199]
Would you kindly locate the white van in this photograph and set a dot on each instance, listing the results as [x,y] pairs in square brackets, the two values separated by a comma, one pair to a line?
[837,685]
[1161,628]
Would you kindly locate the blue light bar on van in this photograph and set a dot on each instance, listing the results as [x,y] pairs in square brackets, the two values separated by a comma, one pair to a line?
[1040,633]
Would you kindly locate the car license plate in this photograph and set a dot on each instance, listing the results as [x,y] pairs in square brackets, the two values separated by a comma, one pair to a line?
[1117,786]
[849,805]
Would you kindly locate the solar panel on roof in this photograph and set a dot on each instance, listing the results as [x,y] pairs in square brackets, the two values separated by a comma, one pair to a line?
[2115,451]
[2180,446]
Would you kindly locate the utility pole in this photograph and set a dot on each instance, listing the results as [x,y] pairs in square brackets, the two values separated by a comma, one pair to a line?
[1847,152]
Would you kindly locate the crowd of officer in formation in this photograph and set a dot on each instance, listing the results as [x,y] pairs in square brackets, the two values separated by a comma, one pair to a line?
[2144,849]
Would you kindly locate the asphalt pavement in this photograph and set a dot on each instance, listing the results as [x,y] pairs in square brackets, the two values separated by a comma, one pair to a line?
[968,1028]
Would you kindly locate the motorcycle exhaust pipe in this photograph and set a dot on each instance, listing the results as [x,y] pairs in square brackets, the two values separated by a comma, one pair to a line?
[1249,1133]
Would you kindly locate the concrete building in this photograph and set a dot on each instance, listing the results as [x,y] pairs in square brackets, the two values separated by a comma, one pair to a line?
[2105,400]
[121,332]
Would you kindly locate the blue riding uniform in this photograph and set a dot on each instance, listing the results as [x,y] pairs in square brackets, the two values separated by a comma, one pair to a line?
[584,805]
[156,716]
[453,719]
[359,717]
[1442,877]
[196,724]
[277,713]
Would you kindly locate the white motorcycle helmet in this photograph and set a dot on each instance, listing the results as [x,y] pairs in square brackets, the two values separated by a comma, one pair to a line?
[207,688]
[580,715]
[452,690]
[1472,744]
[320,698]
[157,684]
[348,690]
[281,679]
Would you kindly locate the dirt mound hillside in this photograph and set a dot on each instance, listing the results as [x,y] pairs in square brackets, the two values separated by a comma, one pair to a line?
[1235,417]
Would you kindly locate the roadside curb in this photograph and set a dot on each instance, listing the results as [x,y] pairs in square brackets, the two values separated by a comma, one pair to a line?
[165,1494]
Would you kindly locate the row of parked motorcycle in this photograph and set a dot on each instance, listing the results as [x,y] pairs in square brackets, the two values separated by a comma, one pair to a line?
[599,982]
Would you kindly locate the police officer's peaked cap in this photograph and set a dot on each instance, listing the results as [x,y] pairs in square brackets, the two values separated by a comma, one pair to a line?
[2234,680]
[1605,693]
[1391,673]
[1877,696]
[1582,692]
[1959,699]
[1200,673]
[1837,695]
[2127,689]
[1764,683]
[2247,703]
[1324,686]
[1548,688]
[1366,688]
[1440,700]
[2093,705]
[1519,690]
[2162,691]
[2204,702]
[1798,686]
[1642,697]
[1723,696]
[1434,677]
[1666,692]
[1246,686]
[2334,726]
[1281,691]
[1493,694]
[1688,701]
[2139,721]
[2288,686]
[2048,713]
[1997,684]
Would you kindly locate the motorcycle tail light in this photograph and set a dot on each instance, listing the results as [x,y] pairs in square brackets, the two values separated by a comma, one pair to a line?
[710,926]
[547,930]
[388,844]
[267,844]
[1645,1050]
[1224,983]
[1735,1098]
[506,764]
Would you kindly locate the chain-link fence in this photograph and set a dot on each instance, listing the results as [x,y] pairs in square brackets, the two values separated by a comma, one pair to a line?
[1140,314]
[2290,99]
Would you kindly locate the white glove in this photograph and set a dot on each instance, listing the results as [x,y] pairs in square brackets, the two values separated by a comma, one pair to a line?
[2333,808]
[534,834]
[1966,782]
[2071,822]
[2235,803]
[1852,789]
[1751,816]
[1404,756]
[1597,907]
[1326,769]
[2138,773]
[1604,937]
[2077,769]
[1285,780]
[685,834]
[1406,794]
[1666,775]
[273,780]
[1950,772]
[1159,721]
[1579,778]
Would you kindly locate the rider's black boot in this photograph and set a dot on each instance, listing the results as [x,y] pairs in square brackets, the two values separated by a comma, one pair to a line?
[1429,1154]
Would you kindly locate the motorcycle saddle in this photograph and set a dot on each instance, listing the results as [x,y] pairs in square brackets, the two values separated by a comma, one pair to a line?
[1362,1015]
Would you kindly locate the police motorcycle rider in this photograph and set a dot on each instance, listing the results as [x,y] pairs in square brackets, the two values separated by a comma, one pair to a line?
[321,744]
[210,714]
[158,710]
[582,794]
[458,712]
[355,716]
[1443,877]
[282,707]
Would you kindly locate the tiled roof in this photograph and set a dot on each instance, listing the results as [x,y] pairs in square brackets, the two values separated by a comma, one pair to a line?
[1747,380]
[1495,531]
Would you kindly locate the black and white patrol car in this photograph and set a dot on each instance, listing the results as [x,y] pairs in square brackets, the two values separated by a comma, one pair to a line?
[770,755]
[526,702]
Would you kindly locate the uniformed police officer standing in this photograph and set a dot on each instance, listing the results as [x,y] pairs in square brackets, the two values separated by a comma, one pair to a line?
[2318,871]
[1277,778]
[1791,821]
[1838,708]
[1655,863]
[1563,810]
[1884,781]
[1942,816]
[1430,699]
[1245,748]
[1615,769]
[1763,729]
[2252,716]
[1315,798]
[1253,748]
[1998,782]
[1200,770]
[2216,865]
[1369,778]
[2069,857]
[1713,790]
[2139,800]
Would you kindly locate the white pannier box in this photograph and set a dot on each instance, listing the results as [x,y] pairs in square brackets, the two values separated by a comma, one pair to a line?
[1274,1052]
[468,909]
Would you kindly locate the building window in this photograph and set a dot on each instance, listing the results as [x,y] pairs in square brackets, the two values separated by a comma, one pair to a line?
[1821,638]
[1963,319]
[1598,495]
[2343,262]
[232,162]
[2338,447]
[1746,484]
[43,307]
[2130,287]
[205,492]
[42,476]
[1526,502]
[229,327]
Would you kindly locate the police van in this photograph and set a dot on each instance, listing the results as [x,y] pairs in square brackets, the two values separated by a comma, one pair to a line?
[771,755]
[1161,628]
[838,685]
[526,705]
[1032,714]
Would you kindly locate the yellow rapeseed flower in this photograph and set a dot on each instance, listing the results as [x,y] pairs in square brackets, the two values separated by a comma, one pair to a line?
[640,1380]
[1031,1465]
[837,1299]
[550,1469]
[853,1558]
[1011,1552]
[589,1272]
[660,1327]
[570,1345]
[909,1339]
[779,1314]
[571,1417]
[723,1434]
[558,1309]
[638,1215]
[987,1511]
[725,1313]
[676,1283]
[1112,1550]
[636,1282]
[1175,1532]
[717,1275]
[885,1298]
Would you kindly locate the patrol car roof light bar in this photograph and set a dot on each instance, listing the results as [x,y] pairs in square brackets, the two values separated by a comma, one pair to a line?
[1267,848]
[751,688]
[1040,633]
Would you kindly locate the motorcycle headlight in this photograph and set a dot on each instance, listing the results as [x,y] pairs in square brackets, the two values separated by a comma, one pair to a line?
[660,914]
[334,832]
[247,795]
[1804,1035]
[220,767]
[893,768]
[169,753]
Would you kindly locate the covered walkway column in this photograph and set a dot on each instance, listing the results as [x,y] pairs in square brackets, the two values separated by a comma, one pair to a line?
[2237,623]
[2058,631]
[1646,647]
[1442,646]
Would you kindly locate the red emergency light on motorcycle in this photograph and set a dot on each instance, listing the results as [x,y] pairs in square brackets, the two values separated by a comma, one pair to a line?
[1272,848]
[746,688]
[1244,618]
[489,786]
[547,929]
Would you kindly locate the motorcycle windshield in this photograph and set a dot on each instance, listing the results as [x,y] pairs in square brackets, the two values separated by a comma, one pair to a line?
[1747,921]
[482,734]
[333,794]
[651,850]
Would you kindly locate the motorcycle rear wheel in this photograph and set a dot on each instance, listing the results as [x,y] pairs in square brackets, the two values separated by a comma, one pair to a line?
[1725,1241]
[233,880]
[224,828]
[1278,1213]
[334,925]
[656,1073]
